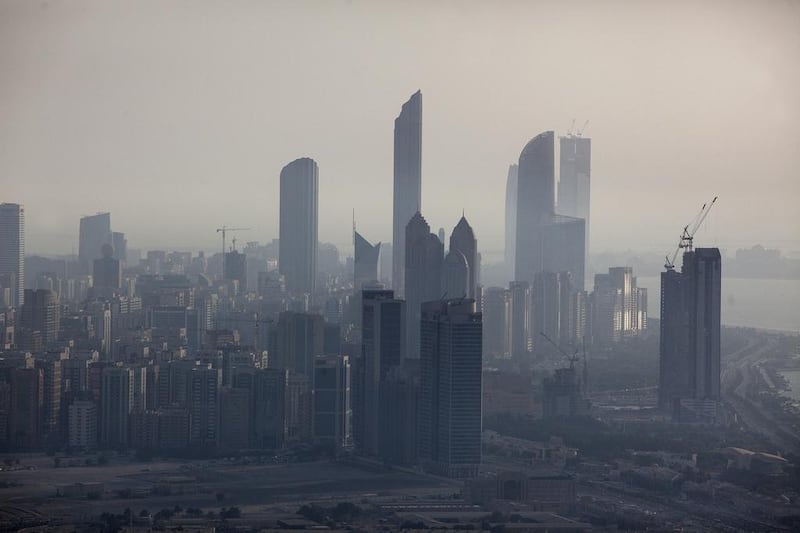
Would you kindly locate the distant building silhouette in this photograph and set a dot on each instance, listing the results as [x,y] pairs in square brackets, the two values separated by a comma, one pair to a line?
[574,185]
[496,313]
[116,403]
[299,225]
[511,216]
[41,312]
[236,269]
[94,232]
[423,272]
[12,252]
[455,275]
[407,182]
[689,376]
[619,307]
[520,319]
[300,340]
[120,244]
[450,388]
[545,241]
[107,273]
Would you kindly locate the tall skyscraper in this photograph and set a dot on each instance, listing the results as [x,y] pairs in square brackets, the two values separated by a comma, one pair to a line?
[204,404]
[618,306]
[511,216]
[545,241]
[366,261]
[496,312]
[574,185]
[535,204]
[12,251]
[297,256]
[383,344]
[120,244]
[94,232]
[450,389]
[423,272]
[407,182]
[463,240]
[689,376]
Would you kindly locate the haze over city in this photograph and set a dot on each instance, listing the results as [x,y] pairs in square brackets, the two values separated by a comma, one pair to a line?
[177,117]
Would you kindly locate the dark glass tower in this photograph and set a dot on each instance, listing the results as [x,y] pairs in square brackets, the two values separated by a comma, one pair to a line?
[689,376]
[450,388]
[423,274]
[407,182]
[297,255]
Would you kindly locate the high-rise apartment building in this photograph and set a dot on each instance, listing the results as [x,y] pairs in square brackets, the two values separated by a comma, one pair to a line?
[12,251]
[574,185]
[407,182]
[41,312]
[689,376]
[94,232]
[450,388]
[423,275]
[299,209]
[204,406]
[618,306]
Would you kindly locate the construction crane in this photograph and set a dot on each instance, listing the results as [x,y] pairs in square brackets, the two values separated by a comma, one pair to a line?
[571,358]
[580,131]
[687,235]
[224,230]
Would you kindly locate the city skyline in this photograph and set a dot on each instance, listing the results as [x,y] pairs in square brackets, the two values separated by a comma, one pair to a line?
[168,143]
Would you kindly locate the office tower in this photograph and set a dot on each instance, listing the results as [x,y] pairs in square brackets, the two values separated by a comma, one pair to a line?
[236,269]
[204,402]
[300,340]
[333,412]
[94,232]
[383,344]
[366,262]
[107,273]
[689,376]
[120,245]
[269,390]
[463,240]
[407,182]
[27,398]
[423,276]
[455,275]
[299,210]
[496,311]
[520,318]
[116,403]
[12,251]
[82,424]
[546,315]
[545,241]
[450,388]
[511,216]
[574,183]
[41,312]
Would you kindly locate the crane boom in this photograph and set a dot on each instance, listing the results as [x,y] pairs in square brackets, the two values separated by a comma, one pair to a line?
[224,229]
[570,358]
[687,236]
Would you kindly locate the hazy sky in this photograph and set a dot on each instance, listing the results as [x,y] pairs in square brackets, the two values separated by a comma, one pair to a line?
[177,116]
